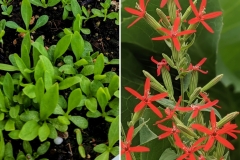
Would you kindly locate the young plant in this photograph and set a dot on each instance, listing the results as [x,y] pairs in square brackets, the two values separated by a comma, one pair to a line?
[103,12]
[81,149]
[6,8]
[2,31]
[70,6]
[42,3]
[113,135]
[26,13]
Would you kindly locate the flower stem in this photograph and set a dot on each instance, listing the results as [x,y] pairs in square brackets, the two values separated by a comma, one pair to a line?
[182,90]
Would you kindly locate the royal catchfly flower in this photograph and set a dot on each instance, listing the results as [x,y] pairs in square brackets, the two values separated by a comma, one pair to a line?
[147,99]
[162,63]
[197,67]
[140,12]
[206,99]
[189,151]
[196,108]
[164,2]
[126,146]
[215,133]
[201,16]
[174,34]
[169,131]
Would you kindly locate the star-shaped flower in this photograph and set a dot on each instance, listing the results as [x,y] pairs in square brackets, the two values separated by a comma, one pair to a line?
[147,99]
[169,131]
[140,13]
[201,16]
[164,2]
[162,63]
[126,146]
[173,34]
[197,67]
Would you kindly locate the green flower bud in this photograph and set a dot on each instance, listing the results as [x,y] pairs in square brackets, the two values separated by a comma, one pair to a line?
[229,117]
[193,82]
[153,23]
[194,95]
[169,60]
[164,18]
[167,82]
[212,83]
[187,131]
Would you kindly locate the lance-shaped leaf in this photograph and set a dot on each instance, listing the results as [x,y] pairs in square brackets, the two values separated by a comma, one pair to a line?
[29,130]
[99,65]
[21,66]
[42,20]
[52,3]
[2,145]
[26,12]
[8,68]
[113,133]
[8,86]
[68,82]
[25,49]
[49,102]
[40,48]
[39,89]
[77,45]
[76,9]
[43,132]
[102,98]
[74,99]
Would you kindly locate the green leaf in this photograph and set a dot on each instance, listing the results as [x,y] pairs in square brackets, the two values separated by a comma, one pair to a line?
[102,98]
[14,134]
[29,130]
[47,79]
[41,49]
[53,132]
[26,12]
[41,21]
[10,125]
[74,99]
[29,115]
[77,45]
[79,121]
[8,68]
[91,104]
[85,84]
[62,46]
[79,63]
[97,12]
[49,102]
[36,3]
[100,148]
[63,119]
[52,3]
[39,90]
[12,24]
[87,70]
[43,65]
[8,86]
[113,85]
[76,9]
[95,114]
[2,145]
[115,151]
[43,132]
[68,82]
[8,154]
[27,147]
[29,90]
[25,50]
[67,69]
[59,126]
[14,111]
[95,85]
[77,23]
[113,133]
[21,66]
[43,148]
[103,156]
[99,64]
[168,154]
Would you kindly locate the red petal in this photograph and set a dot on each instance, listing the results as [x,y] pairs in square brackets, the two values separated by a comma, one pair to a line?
[195,113]
[139,149]
[158,96]
[213,119]
[182,157]
[209,144]
[155,110]
[164,128]
[203,72]
[135,21]
[133,92]
[153,60]
[201,128]
[164,135]
[168,32]
[176,24]
[209,104]
[186,32]
[184,109]
[159,70]
[163,3]
[130,134]
[146,87]
[177,4]
[194,9]
[202,6]
[201,62]
[133,11]
[232,135]
[193,20]
[161,38]
[212,15]
[176,43]
[225,142]
[141,4]
[198,141]
[207,27]
[128,156]
[139,106]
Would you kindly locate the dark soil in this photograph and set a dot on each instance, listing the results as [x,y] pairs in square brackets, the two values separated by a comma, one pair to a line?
[104,38]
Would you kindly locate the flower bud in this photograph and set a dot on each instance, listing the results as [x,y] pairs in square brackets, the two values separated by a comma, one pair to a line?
[153,23]
[136,116]
[212,83]
[194,95]
[152,79]
[193,82]
[187,131]
[163,18]
[169,60]
[158,88]
[220,149]
[229,117]
[167,82]
[187,12]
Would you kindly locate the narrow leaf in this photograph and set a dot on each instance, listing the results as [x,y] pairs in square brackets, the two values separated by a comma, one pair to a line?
[74,99]
[77,45]
[26,12]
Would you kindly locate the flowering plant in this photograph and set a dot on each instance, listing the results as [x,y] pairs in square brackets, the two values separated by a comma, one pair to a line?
[174,117]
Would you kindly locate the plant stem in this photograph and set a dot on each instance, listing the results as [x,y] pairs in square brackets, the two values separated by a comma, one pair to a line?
[182,91]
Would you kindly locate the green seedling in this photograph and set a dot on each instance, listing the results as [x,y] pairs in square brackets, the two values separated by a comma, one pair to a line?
[26,13]
[42,3]
[113,135]
[2,31]
[7,10]
[81,149]
[70,6]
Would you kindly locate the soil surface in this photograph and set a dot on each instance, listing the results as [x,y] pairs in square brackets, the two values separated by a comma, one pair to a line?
[104,38]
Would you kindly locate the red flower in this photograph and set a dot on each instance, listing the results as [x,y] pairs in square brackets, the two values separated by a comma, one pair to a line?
[232,131]
[126,146]
[162,63]
[146,99]
[140,13]
[206,99]
[174,34]
[215,133]
[201,157]
[170,112]
[201,16]
[169,131]
[197,108]
[189,151]
[197,67]
[164,2]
